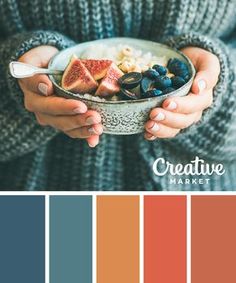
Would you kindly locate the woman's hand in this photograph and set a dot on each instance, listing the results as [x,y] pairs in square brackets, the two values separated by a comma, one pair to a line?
[70,116]
[181,112]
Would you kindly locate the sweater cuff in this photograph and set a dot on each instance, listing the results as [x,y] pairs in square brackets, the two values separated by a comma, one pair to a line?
[218,48]
[19,45]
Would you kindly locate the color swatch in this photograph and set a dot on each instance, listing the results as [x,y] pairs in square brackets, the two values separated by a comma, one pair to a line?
[165,239]
[22,239]
[71,239]
[213,239]
[117,239]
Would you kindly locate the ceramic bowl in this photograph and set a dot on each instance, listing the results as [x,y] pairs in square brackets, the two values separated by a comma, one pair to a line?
[121,117]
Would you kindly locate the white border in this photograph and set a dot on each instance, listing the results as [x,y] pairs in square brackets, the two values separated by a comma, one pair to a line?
[123,193]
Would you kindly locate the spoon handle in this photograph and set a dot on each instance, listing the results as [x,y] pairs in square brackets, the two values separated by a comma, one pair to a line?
[21,70]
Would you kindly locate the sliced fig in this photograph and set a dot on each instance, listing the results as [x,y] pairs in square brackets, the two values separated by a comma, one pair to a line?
[77,78]
[109,84]
[97,68]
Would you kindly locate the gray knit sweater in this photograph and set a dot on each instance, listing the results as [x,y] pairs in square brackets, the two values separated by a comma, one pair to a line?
[38,158]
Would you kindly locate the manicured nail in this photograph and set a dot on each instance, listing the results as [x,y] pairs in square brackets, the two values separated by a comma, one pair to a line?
[159,117]
[92,130]
[172,105]
[154,128]
[151,138]
[43,88]
[91,120]
[80,110]
[93,145]
[201,85]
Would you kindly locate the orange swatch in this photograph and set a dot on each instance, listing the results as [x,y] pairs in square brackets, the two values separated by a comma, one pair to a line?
[213,239]
[165,239]
[118,239]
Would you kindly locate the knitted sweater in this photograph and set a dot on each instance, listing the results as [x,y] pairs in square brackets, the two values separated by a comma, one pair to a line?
[39,158]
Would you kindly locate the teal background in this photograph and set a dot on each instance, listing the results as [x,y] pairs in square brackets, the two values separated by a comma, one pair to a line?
[70,239]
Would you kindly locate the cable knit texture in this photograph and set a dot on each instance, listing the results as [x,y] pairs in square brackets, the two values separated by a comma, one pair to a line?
[39,158]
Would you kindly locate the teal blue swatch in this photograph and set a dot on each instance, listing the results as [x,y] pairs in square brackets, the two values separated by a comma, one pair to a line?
[71,239]
[22,239]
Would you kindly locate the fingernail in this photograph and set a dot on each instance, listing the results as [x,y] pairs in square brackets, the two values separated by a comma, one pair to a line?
[159,117]
[93,131]
[92,145]
[79,110]
[151,138]
[201,85]
[172,105]
[43,88]
[91,120]
[154,128]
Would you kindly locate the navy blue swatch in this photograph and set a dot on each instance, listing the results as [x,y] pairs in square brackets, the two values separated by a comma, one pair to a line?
[70,239]
[22,239]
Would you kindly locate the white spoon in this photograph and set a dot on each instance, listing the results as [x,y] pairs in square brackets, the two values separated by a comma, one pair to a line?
[21,70]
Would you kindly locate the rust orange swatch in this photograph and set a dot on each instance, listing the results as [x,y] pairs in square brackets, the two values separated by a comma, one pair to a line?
[118,239]
[213,239]
[165,239]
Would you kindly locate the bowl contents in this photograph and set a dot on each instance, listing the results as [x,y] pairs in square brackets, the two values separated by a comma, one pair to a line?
[129,59]
[123,73]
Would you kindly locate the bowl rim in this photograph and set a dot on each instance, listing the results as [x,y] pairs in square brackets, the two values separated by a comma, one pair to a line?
[81,96]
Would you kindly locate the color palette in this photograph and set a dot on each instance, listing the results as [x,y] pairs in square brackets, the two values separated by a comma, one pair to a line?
[165,239]
[22,239]
[118,238]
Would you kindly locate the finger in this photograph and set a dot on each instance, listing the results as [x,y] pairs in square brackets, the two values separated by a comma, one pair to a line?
[67,123]
[93,141]
[53,105]
[149,136]
[208,70]
[39,56]
[38,84]
[174,120]
[85,132]
[160,131]
[189,104]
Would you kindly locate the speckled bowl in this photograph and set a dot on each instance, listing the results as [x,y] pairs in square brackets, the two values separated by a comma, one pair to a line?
[121,117]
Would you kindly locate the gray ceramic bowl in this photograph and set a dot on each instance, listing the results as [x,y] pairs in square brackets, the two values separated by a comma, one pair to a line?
[121,117]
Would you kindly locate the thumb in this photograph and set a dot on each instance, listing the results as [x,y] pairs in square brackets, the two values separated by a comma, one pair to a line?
[208,69]
[39,57]
[38,84]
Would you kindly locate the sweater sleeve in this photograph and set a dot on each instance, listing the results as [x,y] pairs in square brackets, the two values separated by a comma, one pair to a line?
[19,131]
[215,135]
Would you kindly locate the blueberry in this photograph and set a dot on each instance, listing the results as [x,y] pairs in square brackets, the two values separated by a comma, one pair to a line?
[163,82]
[160,69]
[146,84]
[177,82]
[152,74]
[130,80]
[152,93]
[178,68]
[168,90]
